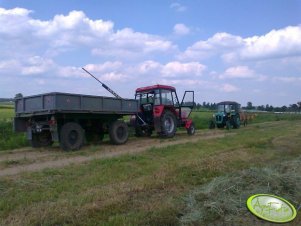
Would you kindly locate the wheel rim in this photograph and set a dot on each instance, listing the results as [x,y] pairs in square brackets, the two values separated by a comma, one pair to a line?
[120,132]
[72,137]
[169,124]
[192,129]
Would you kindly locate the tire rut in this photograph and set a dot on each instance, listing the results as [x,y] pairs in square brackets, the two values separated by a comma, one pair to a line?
[58,159]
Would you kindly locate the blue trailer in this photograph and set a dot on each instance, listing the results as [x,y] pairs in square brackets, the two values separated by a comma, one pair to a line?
[72,119]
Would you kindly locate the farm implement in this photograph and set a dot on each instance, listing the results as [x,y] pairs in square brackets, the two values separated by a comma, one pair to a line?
[74,119]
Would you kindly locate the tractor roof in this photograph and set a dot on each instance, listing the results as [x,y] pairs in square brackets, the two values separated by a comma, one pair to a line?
[149,88]
[228,102]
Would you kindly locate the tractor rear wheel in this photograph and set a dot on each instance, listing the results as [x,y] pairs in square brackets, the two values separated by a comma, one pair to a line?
[168,124]
[118,132]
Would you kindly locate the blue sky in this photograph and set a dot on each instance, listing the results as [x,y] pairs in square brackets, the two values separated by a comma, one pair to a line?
[222,49]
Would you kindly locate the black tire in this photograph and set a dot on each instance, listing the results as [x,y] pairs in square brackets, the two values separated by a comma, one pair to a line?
[191,129]
[168,125]
[118,132]
[43,139]
[71,136]
[236,122]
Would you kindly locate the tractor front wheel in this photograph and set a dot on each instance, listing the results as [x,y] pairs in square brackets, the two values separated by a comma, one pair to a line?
[236,122]
[168,124]
[191,129]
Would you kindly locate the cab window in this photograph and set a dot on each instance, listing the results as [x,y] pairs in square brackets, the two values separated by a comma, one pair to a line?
[166,97]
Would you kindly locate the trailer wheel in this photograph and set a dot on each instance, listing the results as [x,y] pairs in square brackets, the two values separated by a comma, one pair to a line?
[43,139]
[191,129]
[72,136]
[118,132]
[168,124]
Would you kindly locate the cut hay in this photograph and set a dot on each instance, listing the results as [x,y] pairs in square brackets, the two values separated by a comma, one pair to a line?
[223,200]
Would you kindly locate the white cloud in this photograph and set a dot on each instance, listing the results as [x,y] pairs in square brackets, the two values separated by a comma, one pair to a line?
[74,23]
[149,67]
[181,29]
[105,67]
[65,33]
[280,43]
[277,43]
[184,82]
[175,68]
[37,65]
[228,88]
[127,43]
[71,71]
[288,79]
[238,72]
[113,76]
[178,7]
[219,43]
[8,65]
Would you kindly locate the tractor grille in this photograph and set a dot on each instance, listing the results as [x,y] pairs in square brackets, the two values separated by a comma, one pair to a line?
[218,118]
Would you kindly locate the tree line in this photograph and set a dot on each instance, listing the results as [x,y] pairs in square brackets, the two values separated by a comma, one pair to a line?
[270,108]
[290,108]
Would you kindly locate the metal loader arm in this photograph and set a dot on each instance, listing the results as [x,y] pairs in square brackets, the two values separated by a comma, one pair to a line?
[112,92]
[103,85]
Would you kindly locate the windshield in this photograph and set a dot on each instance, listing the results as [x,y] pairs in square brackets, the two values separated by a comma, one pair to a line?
[151,97]
[226,107]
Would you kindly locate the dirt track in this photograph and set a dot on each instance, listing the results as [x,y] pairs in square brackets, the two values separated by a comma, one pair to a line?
[28,160]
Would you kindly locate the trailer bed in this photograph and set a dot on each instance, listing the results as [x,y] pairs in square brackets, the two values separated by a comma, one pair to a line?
[56,102]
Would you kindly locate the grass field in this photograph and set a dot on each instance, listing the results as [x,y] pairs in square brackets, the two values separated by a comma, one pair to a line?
[9,139]
[187,184]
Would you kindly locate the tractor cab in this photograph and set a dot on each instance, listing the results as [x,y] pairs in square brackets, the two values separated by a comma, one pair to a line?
[159,104]
[228,107]
[227,115]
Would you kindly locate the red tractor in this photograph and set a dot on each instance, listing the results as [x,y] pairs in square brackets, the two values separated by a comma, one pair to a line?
[161,111]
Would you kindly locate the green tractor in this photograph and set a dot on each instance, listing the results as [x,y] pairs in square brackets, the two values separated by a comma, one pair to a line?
[227,115]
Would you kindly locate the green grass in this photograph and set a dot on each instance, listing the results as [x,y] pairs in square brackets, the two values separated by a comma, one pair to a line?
[150,188]
[6,113]
[9,139]
[268,117]
[201,119]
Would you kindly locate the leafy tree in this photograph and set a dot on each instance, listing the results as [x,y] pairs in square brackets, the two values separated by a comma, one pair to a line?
[294,107]
[299,105]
